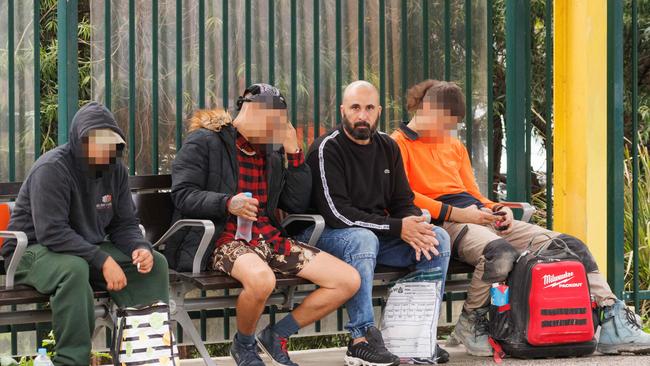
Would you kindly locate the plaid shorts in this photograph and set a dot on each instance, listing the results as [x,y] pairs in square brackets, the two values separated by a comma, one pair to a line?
[224,256]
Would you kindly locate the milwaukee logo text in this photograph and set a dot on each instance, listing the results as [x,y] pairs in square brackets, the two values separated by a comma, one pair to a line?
[560,280]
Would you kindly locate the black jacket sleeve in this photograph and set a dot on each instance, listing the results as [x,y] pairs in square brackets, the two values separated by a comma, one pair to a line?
[50,207]
[332,199]
[123,229]
[401,202]
[190,170]
[296,194]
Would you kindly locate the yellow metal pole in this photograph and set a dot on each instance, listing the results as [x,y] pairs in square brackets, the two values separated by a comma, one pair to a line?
[580,111]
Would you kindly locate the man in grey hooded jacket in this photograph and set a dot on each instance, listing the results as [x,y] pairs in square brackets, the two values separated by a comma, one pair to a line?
[75,197]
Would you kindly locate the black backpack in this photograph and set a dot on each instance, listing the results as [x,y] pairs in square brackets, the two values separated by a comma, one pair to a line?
[550,312]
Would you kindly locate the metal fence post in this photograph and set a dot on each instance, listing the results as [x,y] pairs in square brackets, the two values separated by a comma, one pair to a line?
[615,208]
[68,68]
[516,34]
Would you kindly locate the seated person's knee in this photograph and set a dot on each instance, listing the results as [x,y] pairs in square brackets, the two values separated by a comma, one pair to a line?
[444,241]
[351,281]
[499,258]
[260,282]
[581,250]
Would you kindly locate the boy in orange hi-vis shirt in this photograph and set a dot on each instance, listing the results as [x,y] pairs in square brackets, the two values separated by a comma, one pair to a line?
[483,233]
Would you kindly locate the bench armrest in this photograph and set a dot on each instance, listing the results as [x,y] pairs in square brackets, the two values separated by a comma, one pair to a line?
[21,245]
[203,245]
[527,208]
[319,225]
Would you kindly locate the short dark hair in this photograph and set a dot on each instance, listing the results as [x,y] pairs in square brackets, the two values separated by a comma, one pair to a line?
[443,94]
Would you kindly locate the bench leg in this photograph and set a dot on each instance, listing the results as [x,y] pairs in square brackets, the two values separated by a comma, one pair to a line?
[183,318]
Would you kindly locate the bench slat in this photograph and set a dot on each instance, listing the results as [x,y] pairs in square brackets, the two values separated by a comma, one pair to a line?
[26,295]
[219,281]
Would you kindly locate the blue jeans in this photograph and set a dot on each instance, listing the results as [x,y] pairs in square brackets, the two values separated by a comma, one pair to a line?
[363,249]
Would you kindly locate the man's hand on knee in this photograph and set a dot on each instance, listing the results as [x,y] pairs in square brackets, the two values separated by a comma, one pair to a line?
[420,236]
[113,275]
[143,259]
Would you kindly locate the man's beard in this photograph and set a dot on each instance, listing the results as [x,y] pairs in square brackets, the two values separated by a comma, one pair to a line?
[359,130]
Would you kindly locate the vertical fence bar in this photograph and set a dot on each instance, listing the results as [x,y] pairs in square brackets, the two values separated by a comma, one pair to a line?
[361,22]
[154,86]
[635,153]
[224,53]
[247,41]
[107,54]
[11,90]
[272,311]
[67,66]
[203,313]
[316,25]
[447,25]
[37,78]
[132,86]
[548,43]
[224,82]
[516,29]
[271,41]
[12,127]
[490,99]
[179,73]
[294,62]
[382,62]
[403,58]
[339,45]
[425,38]
[615,155]
[469,115]
[529,123]
[201,53]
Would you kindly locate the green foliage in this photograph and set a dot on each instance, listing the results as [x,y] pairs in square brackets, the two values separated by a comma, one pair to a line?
[644,225]
[49,77]
[48,343]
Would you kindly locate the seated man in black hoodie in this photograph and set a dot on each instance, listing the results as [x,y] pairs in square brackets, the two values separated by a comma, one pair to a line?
[221,160]
[75,197]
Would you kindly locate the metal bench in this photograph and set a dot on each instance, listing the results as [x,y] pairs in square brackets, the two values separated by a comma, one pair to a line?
[152,198]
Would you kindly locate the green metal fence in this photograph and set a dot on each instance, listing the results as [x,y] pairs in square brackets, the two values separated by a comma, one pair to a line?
[153,62]
[311,50]
[624,202]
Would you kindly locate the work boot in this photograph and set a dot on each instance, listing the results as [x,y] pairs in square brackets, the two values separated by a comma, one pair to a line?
[621,331]
[472,331]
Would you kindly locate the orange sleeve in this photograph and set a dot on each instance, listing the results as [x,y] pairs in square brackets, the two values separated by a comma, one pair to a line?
[439,211]
[467,175]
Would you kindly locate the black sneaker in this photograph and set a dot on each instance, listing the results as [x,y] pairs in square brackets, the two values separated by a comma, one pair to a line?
[374,337]
[245,354]
[365,354]
[441,356]
[275,347]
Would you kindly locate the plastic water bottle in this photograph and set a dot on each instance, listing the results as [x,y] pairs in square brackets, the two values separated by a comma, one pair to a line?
[499,294]
[42,359]
[244,226]
[427,215]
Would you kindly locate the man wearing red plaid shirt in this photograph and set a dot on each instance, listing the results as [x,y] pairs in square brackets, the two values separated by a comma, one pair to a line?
[219,161]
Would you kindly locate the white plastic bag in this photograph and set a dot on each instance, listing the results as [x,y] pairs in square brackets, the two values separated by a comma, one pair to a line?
[410,320]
